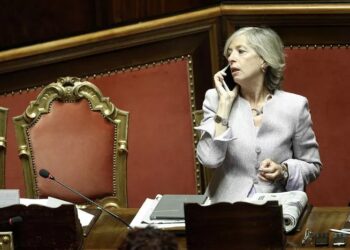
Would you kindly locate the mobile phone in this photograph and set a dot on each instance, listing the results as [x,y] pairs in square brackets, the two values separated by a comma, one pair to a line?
[339,239]
[228,78]
[321,239]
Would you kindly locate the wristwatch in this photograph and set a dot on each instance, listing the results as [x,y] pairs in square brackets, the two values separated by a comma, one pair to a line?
[219,119]
[285,172]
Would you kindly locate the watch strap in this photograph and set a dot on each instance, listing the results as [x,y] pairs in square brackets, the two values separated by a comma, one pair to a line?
[285,171]
[220,120]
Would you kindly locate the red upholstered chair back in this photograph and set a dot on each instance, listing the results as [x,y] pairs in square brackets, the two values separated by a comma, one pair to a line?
[79,137]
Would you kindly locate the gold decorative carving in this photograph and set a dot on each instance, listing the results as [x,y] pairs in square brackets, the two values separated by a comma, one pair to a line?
[6,241]
[122,146]
[72,89]
[2,142]
[197,169]
[23,151]
[203,174]
[3,125]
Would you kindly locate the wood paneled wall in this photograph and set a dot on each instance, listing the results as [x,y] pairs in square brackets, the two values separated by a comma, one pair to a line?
[200,34]
[29,22]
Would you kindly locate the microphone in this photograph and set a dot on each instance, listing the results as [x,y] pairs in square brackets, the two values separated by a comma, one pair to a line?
[12,221]
[46,174]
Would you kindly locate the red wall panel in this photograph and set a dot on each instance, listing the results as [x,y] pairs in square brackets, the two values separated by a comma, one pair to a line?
[322,75]
[160,136]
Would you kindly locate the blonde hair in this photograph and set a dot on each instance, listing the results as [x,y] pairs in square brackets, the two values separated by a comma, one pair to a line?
[269,46]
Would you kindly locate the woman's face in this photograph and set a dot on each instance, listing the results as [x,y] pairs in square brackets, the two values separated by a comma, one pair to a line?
[245,63]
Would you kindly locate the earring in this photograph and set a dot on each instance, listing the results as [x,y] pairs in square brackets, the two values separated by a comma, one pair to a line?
[263,68]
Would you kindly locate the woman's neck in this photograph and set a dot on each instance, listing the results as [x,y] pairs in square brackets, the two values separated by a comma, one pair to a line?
[255,96]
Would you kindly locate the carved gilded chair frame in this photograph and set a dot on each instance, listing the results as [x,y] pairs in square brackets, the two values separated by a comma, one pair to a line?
[72,89]
[6,240]
[204,174]
[3,125]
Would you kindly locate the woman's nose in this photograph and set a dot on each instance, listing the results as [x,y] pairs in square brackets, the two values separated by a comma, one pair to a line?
[232,57]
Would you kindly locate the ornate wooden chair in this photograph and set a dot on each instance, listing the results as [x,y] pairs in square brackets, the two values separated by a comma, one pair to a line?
[79,136]
[3,122]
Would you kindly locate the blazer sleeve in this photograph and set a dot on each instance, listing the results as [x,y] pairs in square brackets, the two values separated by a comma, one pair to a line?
[306,164]
[211,150]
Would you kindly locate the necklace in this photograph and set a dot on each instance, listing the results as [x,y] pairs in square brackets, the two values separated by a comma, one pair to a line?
[257,112]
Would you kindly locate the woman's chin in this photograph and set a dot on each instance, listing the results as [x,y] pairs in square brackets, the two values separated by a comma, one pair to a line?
[237,79]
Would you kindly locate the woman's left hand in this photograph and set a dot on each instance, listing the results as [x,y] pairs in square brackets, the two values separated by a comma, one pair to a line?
[270,171]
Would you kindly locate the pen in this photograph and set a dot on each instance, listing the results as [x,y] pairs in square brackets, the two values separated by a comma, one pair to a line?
[340,231]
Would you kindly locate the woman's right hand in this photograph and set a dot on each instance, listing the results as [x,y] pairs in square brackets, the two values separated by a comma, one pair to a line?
[226,98]
[225,94]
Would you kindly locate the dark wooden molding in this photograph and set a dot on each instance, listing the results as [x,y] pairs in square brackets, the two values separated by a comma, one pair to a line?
[200,34]
[114,54]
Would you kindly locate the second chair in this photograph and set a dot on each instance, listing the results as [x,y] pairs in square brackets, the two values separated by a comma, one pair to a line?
[79,136]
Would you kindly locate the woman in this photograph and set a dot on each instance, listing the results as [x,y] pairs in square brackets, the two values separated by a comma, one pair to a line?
[259,138]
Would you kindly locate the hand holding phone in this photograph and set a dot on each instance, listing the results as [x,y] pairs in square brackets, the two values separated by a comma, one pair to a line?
[224,78]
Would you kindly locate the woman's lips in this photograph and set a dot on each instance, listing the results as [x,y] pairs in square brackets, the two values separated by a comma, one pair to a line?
[234,70]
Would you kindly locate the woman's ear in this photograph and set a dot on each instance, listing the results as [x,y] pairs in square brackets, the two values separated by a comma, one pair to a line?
[263,66]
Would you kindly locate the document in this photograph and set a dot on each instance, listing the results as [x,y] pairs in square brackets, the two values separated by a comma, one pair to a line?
[9,197]
[293,204]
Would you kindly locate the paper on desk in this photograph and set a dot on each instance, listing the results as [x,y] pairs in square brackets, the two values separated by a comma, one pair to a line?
[142,218]
[84,217]
[27,202]
[9,197]
[293,203]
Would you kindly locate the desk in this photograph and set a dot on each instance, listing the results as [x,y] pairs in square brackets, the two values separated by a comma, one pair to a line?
[321,219]
[108,233]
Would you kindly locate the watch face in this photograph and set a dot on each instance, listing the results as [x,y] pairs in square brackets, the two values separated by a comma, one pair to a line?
[285,172]
[217,119]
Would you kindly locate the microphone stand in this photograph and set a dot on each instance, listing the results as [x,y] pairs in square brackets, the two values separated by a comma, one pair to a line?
[91,201]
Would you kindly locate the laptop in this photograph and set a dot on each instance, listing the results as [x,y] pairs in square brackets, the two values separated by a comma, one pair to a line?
[171,206]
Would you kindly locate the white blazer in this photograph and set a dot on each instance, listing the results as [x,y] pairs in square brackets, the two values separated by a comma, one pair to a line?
[285,136]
